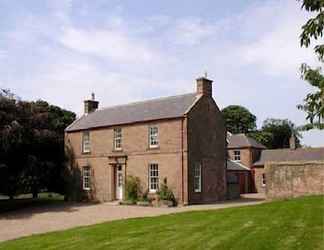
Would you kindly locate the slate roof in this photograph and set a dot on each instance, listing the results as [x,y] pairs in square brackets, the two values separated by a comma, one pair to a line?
[299,154]
[236,166]
[161,108]
[242,141]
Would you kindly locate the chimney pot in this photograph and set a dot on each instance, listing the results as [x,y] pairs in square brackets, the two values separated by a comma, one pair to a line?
[204,86]
[90,105]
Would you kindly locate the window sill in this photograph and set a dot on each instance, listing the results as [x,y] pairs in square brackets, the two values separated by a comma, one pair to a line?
[152,191]
[117,150]
[86,153]
[86,189]
[153,148]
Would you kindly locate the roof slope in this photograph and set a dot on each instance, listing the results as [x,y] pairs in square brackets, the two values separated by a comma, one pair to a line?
[236,166]
[242,141]
[161,108]
[300,154]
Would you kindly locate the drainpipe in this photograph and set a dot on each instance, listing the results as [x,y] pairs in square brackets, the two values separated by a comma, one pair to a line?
[182,157]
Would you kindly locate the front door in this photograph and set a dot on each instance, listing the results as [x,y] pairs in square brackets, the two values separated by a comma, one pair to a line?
[119,182]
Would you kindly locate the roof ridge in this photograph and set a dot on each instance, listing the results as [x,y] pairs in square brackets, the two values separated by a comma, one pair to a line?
[311,148]
[144,101]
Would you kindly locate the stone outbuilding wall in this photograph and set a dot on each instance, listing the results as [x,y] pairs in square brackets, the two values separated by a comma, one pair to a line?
[293,179]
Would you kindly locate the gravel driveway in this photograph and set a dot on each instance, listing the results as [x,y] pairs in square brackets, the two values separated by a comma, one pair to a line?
[68,215]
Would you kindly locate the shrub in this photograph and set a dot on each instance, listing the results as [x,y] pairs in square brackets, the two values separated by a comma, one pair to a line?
[165,193]
[132,188]
[144,196]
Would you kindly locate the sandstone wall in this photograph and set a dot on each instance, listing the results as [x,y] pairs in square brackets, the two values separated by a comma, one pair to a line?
[293,179]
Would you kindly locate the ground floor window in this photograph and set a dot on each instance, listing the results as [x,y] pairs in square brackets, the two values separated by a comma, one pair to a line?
[197,177]
[86,172]
[263,181]
[153,177]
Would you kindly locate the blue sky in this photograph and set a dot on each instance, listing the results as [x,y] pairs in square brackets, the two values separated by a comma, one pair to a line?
[62,50]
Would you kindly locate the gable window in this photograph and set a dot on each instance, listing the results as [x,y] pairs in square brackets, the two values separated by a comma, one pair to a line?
[197,178]
[86,142]
[86,172]
[117,138]
[153,178]
[153,137]
[263,180]
[237,155]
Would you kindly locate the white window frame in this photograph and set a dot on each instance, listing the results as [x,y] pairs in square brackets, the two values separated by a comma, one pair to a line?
[237,157]
[86,144]
[153,136]
[263,180]
[197,177]
[118,139]
[86,178]
[153,177]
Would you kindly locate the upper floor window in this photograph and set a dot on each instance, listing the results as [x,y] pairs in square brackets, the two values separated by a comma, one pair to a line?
[197,177]
[153,136]
[86,172]
[86,142]
[237,155]
[117,138]
[153,177]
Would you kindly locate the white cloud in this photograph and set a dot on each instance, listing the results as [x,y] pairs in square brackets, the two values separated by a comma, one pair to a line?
[277,48]
[3,53]
[191,31]
[111,44]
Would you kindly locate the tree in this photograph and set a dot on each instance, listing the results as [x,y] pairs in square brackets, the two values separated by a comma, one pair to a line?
[275,133]
[31,145]
[313,29]
[239,119]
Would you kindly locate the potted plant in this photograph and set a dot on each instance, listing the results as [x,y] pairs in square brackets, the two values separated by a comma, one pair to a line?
[165,195]
[144,200]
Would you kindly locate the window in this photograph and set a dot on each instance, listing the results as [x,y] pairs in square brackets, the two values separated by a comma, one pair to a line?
[197,177]
[237,155]
[86,142]
[153,178]
[263,181]
[117,138]
[153,137]
[86,178]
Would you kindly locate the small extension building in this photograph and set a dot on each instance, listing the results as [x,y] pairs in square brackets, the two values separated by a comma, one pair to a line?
[251,158]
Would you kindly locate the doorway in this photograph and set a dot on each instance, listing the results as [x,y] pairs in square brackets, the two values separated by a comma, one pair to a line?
[119,182]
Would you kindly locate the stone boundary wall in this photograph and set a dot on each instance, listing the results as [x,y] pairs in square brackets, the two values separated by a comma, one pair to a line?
[293,179]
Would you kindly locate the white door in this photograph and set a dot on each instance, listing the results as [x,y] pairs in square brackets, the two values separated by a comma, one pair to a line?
[119,183]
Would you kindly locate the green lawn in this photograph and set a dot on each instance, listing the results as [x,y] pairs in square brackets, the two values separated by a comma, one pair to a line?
[292,224]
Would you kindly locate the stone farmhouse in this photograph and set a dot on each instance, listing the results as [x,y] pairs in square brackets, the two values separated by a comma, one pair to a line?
[180,138]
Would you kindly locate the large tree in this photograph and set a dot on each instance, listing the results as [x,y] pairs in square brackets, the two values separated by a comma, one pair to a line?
[31,145]
[314,102]
[275,133]
[239,119]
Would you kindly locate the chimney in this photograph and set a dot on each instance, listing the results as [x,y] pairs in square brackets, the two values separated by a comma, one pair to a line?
[292,142]
[90,105]
[204,86]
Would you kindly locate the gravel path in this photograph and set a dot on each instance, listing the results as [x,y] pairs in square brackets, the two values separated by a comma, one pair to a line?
[68,215]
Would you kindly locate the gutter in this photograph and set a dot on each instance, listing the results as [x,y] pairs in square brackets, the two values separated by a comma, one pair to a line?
[182,158]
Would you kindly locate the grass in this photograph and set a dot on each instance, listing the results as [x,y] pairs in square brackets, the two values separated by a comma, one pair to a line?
[26,200]
[291,224]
